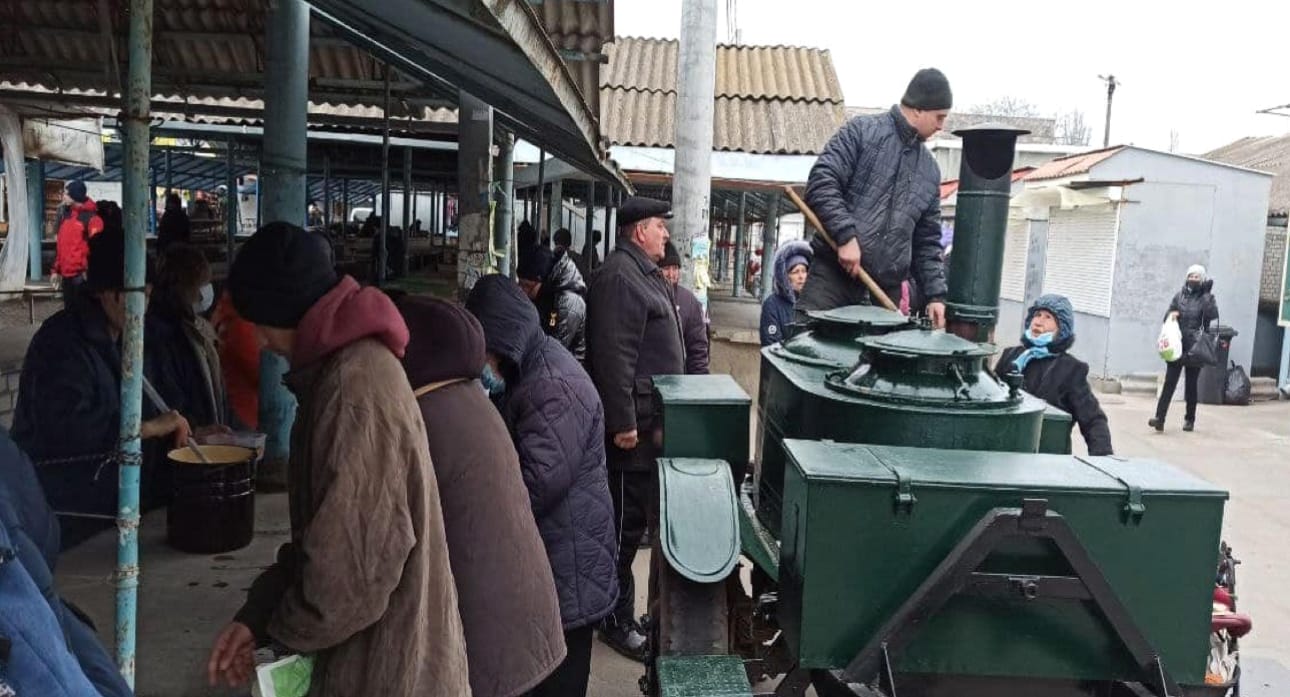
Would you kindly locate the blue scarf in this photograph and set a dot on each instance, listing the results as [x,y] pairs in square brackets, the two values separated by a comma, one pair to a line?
[1037,347]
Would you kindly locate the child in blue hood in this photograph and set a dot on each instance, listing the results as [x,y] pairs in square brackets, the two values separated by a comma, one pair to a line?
[792,262]
[1053,375]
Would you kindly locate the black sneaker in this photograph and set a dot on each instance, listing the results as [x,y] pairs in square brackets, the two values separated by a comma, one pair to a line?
[1158,424]
[626,638]
[1189,426]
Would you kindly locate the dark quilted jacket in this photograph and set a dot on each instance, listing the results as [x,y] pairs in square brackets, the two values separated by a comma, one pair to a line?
[876,181]
[554,415]
[1196,310]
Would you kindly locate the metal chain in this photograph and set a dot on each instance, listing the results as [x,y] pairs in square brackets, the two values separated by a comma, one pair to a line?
[112,457]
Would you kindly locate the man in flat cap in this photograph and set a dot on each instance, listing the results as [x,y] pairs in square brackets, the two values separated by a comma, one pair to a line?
[876,190]
[633,334]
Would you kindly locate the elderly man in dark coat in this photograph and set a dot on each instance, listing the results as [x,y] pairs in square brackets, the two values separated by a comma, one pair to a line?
[694,321]
[555,419]
[876,190]
[633,334]
[507,596]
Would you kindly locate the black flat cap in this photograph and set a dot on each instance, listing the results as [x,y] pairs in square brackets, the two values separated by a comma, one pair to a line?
[638,208]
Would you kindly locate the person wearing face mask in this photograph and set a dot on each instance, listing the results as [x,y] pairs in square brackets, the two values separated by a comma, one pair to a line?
[1196,310]
[792,264]
[185,365]
[1053,375]
[555,419]
[68,415]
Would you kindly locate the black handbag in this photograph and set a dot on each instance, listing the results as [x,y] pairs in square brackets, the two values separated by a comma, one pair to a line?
[1204,349]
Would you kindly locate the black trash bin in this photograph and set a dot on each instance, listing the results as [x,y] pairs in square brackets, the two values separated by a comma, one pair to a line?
[1213,378]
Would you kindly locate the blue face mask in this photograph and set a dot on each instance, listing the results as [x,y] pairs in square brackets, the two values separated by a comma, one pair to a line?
[1041,340]
[493,382]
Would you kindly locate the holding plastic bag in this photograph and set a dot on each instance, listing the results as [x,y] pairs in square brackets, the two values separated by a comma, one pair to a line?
[1170,342]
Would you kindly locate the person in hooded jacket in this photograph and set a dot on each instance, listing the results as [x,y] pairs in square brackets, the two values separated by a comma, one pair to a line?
[555,419]
[72,649]
[555,286]
[72,246]
[694,321]
[1195,309]
[505,589]
[186,365]
[1053,375]
[174,227]
[365,584]
[792,264]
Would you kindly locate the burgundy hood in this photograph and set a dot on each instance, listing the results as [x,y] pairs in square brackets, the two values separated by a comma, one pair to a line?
[346,314]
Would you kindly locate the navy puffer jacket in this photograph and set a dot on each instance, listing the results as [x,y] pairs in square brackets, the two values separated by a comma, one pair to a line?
[555,418]
[777,310]
[877,182]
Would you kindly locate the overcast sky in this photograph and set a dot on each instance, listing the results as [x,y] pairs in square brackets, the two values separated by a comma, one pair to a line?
[1201,73]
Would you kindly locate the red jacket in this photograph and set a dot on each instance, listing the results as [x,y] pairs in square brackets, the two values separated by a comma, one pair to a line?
[74,233]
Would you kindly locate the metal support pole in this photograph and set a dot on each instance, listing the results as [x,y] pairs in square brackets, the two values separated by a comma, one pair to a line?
[344,206]
[382,250]
[589,242]
[152,193]
[170,173]
[556,213]
[1284,382]
[504,210]
[541,193]
[134,205]
[769,242]
[281,189]
[36,217]
[231,200]
[407,210]
[741,233]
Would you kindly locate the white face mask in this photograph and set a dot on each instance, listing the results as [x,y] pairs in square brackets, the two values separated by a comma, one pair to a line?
[205,300]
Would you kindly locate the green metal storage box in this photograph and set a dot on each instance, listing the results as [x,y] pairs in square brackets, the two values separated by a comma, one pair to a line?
[705,416]
[865,526]
[1055,433]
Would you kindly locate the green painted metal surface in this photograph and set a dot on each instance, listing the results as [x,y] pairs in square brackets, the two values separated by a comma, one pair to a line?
[1055,433]
[757,542]
[864,526]
[698,518]
[705,416]
[930,401]
[702,676]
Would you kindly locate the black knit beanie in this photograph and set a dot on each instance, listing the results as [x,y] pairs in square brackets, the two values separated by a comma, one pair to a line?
[106,267]
[279,274]
[671,257]
[928,91]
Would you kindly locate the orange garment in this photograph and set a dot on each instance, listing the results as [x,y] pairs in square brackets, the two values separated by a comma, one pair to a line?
[239,354]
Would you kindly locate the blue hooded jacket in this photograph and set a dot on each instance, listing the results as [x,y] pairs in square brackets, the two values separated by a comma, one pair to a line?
[1058,377]
[777,310]
[54,653]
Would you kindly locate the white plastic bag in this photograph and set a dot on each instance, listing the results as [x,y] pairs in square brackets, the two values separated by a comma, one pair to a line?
[1170,342]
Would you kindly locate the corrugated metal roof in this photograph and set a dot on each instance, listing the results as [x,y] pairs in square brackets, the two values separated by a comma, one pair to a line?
[753,72]
[951,186]
[1269,154]
[647,119]
[580,29]
[1042,130]
[1072,165]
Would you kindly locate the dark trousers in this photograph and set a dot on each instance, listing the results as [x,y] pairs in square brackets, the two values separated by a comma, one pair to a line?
[633,494]
[1172,372]
[71,288]
[828,286]
[570,678]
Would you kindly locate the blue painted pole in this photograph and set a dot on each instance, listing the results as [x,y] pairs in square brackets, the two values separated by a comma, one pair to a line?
[36,215]
[282,197]
[135,202]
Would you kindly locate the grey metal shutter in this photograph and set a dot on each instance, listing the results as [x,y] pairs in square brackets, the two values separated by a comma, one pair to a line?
[1081,257]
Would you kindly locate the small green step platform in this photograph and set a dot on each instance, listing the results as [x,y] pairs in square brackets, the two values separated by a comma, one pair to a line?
[702,676]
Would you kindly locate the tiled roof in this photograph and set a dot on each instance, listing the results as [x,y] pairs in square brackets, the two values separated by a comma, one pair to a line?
[951,187]
[769,99]
[1072,165]
[1269,154]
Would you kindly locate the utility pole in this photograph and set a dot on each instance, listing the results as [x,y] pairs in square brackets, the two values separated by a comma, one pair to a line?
[692,184]
[1111,84]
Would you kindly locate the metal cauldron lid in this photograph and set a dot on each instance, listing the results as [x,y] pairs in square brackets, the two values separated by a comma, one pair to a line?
[859,316]
[923,342]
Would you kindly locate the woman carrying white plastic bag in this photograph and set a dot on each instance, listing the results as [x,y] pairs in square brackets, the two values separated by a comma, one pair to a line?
[1170,341]
[1190,313]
